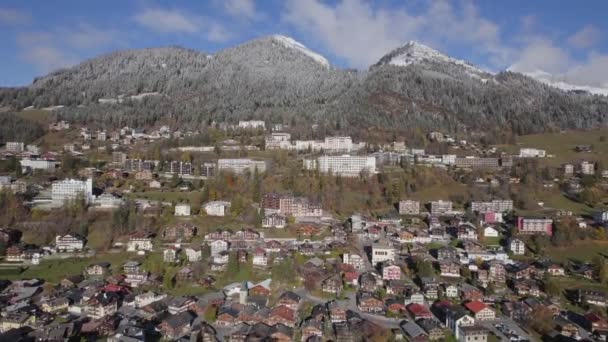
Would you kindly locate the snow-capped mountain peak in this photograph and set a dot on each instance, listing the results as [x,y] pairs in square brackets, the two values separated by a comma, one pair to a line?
[291,43]
[414,52]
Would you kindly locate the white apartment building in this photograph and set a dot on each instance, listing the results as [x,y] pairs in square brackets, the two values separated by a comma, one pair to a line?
[381,253]
[70,189]
[441,207]
[338,144]
[587,168]
[182,209]
[409,207]
[38,164]
[240,165]
[68,243]
[531,153]
[494,206]
[252,124]
[345,165]
[216,208]
[517,247]
[137,244]
[15,147]
[278,141]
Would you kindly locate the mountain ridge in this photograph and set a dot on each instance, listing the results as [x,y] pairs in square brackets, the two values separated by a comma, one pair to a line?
[278,79]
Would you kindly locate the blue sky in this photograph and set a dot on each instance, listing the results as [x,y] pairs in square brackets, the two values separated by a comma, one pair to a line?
[562,38]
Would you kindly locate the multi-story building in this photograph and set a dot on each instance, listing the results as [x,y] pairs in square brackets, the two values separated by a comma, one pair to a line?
[289,205]
[587,168]
[338,144]
[15,147]
[68,243]
[278,141]
[208,169]
[119,158]
[182,209]
[241,165]
[216,208]
[101,305]
[532,226]
[135,165]
[441,207]
[517,247]
[494,206]
[354,260]
[476,163]
[382,252]
[409,207]
[38,164]
[345,165]
[71,189]
[568,169]
[531,153]
[139,243]
[179,167]
[252,124]
[391,272]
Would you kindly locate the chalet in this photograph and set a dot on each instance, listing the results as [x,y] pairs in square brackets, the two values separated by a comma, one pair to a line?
[336,313]
[449,269]
[370,281]
[456,320]
[353,259]
[289,299]
[55,305]
[261,289]
[527,287]
[179,232]
[473,333]
[497,272]
[594,322]
[131,266]
[136,279]
[332,285]
[490,231]
[414,332]
[15,254]
[447,253]
[432,327]
[68,243]
[282,314]
[451,291]
[351,277]
[139,242]
[556,270]
[517,247]
[306,249]
[394,305]
[470,293]
[170,255]
[177,325]
[97,270]
[370,304]
[466,232]
[193,254]
[218,246]
[184,274]
[101,305]
[592,297]
[391,272]
[274,220]
[259,258]
[311,329]
[480,311]
[179,304]
[419,311]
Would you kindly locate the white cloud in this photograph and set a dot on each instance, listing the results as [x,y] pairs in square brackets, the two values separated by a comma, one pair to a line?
[352,29]
[41,49]
[13,17]
[585,38]
[241,8]
[541,54]
[361,34]
[63,47]
[168,21]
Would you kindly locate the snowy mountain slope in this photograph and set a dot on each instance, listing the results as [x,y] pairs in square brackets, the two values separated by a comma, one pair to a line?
[293,44]
[415,53]
[561,83]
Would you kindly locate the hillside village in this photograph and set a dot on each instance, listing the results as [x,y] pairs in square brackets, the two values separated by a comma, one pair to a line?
[250,232]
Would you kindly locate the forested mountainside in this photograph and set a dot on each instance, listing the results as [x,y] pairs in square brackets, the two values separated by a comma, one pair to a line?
[277,79]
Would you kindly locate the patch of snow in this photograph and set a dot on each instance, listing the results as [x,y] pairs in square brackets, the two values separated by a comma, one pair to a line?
[557,82]
[414,52]
[293,44]
[52,108]
[121,98]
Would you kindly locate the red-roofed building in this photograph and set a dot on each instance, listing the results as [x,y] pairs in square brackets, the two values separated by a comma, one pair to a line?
[351,277]
[419,311]
[594,322]
[481,311]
